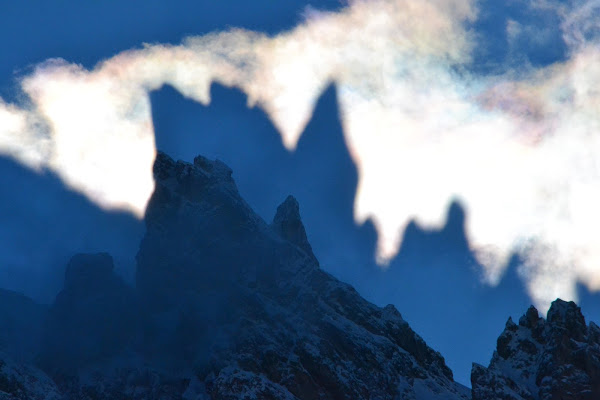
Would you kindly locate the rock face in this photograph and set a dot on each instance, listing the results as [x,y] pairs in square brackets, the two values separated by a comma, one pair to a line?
[553,359]
[25,382]
[226,306]
[288,224]
[271,323]
[229,307]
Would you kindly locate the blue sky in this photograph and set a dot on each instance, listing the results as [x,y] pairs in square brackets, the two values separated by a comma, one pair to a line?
[85,33]
[435,280]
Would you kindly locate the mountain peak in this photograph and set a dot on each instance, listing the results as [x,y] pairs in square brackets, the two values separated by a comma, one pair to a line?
[565,314]
[216,282]
[510,325]
[215,167]
[194,182]
[531,318]
[288,225]
[227,307]
[553,359]
[288,209]
[92,317]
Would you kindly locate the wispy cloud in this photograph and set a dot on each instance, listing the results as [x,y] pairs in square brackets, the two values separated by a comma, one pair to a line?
[518,150]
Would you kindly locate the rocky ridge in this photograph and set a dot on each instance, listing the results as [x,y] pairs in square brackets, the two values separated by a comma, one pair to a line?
[226,306]
[283,327]
[536,359]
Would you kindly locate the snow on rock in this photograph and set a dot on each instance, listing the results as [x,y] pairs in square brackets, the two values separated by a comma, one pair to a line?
[255,316]
[25,382]
[229,307]
[225,307]
[552,359]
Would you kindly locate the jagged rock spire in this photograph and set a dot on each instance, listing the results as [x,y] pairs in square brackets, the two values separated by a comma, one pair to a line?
[531,318]
[215,281]
[567,315]
[225,307]
[556,358]
[288,224]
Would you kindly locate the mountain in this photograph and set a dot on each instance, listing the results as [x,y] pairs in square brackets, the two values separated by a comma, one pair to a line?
[436,271]
[22,381]
[44,223]
[226,306]
[95,316]
[278,326]
[536,359]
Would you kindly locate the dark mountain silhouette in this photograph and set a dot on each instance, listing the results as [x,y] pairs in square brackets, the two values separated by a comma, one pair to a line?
[226,306]
[435,271]
[93,317]
[43,223]
[537,359]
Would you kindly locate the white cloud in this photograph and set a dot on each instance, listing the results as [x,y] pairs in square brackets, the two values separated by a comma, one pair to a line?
[520,154]
[581,24]
[22,136]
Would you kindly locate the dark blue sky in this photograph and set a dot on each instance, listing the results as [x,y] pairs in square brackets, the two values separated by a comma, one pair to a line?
[86,32]
[434,281]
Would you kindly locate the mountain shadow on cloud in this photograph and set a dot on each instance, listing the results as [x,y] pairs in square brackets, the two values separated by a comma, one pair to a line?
[435,280]
[243,138]
[320,173]
[421,243]
[437,274]
[43,223]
